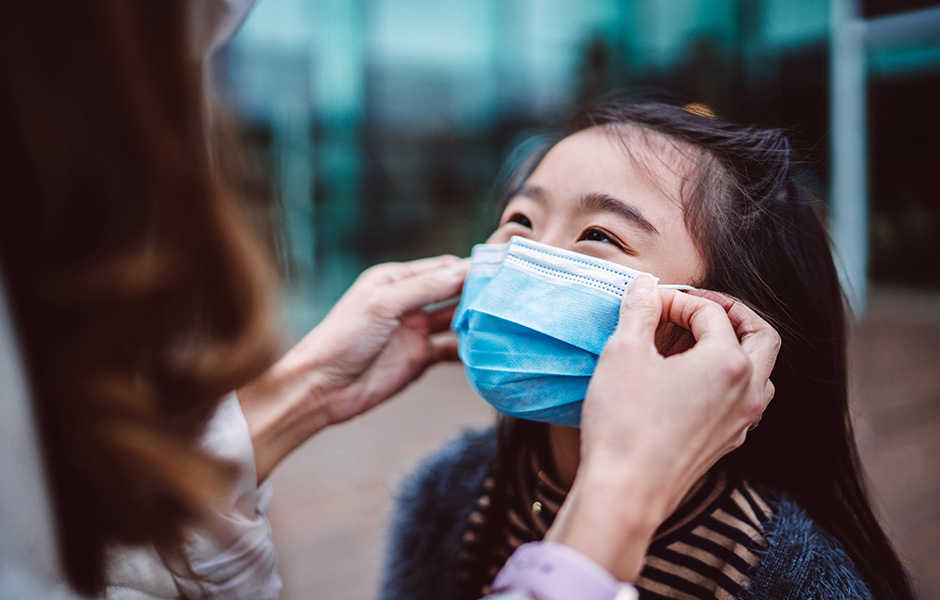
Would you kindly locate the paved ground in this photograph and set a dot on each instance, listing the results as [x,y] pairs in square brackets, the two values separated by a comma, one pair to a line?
[895,360]
[332,495]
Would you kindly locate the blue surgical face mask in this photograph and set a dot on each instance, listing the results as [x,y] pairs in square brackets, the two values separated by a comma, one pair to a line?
[532,322]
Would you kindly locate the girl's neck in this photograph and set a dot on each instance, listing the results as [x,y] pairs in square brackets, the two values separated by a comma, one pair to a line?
[565,445]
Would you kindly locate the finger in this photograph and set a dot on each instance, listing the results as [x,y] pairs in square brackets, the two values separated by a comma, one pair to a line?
[762,346]
[396,271]
[758,339]
[724,300]
[640,309]
[706,319]
[439,320]
[444,348]
[401,296]
[432,321]
[743,318]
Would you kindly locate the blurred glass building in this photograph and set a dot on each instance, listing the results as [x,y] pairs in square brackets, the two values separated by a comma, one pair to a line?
[375,128]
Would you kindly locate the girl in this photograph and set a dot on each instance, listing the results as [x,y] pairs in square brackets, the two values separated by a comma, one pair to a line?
[700,202]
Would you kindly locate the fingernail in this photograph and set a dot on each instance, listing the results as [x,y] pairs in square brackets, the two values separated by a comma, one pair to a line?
[641,284]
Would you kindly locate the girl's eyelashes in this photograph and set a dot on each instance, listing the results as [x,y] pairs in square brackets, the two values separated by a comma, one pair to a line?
[520,219]
[596,234]
[593,234]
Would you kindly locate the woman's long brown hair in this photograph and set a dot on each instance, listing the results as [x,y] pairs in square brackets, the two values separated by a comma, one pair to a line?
[138,294]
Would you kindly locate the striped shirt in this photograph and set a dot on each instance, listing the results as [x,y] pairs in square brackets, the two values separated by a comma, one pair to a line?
[703,550]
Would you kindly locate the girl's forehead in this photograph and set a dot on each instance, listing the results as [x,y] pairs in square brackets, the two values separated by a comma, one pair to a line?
[629,183]
[644,147]
[621,155]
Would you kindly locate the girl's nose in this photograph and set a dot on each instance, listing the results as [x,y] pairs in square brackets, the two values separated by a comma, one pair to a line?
[557,235]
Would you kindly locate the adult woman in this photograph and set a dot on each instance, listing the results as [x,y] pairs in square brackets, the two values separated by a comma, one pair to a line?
[701,202]
[139,300]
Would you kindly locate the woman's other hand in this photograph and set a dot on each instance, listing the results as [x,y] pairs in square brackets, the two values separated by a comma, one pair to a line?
[652,425]
[378,338]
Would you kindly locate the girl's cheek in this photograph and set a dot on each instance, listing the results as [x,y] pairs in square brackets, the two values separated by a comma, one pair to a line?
[504,233]
[500,236]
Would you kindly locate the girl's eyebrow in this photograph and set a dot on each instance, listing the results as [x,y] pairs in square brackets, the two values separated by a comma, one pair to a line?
[598,202]
[595,202]
[533,192]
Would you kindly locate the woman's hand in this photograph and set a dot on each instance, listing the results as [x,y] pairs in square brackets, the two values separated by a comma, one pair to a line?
[653,425]
[378,337]
[376,340]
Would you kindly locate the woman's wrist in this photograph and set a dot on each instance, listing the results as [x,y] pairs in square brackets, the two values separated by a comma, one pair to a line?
[284,407]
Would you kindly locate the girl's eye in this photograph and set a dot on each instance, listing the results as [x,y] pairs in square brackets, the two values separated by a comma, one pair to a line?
[521,219]
[594,234]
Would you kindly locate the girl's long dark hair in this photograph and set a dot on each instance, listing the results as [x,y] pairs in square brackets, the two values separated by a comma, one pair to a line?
[764,242]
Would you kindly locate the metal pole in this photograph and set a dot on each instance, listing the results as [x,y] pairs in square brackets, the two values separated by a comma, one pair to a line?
[904,30]
[849,152]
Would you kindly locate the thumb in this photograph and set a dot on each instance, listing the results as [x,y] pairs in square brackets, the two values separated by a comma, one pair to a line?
[402,296]
[641,307]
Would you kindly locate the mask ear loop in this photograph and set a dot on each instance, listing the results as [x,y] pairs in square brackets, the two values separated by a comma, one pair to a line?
[677,286]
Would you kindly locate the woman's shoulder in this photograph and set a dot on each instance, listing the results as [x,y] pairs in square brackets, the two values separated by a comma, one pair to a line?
[802,560]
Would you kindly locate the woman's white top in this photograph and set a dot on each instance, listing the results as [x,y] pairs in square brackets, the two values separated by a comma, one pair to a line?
[232,555]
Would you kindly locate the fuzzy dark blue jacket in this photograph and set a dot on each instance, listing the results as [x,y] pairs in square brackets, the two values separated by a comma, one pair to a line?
[800,561]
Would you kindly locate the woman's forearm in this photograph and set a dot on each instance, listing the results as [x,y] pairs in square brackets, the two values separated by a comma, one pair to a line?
[284,407]
[610,516]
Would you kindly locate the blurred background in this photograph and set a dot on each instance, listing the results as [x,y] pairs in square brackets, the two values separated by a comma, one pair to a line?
[371,130]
